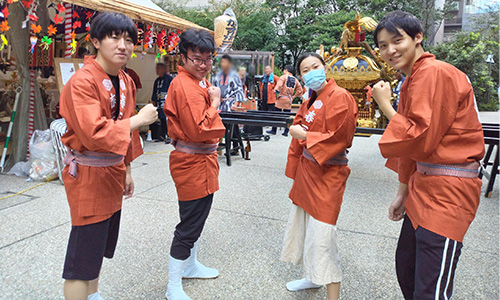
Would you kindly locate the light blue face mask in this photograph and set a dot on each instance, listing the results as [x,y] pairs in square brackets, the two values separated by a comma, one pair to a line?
[314,79]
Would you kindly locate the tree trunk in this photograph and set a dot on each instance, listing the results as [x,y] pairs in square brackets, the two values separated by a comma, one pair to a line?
[19,39]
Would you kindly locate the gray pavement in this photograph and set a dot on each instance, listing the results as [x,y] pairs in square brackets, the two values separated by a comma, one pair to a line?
[242,238]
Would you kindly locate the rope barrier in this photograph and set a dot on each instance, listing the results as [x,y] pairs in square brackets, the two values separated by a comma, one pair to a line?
[22,192]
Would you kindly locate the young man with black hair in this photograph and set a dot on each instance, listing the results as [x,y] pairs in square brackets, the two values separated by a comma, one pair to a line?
[434,142]
[98,103]
[195,128]
[288,88]
[160,90]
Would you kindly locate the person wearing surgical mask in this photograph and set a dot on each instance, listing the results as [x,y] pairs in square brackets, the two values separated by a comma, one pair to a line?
[322,132]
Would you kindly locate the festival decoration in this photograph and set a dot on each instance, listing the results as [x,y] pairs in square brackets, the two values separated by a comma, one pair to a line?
[36,28]
[4,26]
[225,30]
[5,12]
[87,37]
[73,45]
[88,14]
[57,19]
[160,38]
[73,35]
[51,30]
[173,41]
[4,41]
[75,15]
[60,7]
[11,1]
[143,53]
[133,55]
[27,4]
[77,24]
[33,41]
[33,17]
[45,43]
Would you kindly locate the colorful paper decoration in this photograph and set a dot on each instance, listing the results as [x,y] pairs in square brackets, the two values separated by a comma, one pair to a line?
[51,30]
[5,12]
[133,55]
[58,19]
[160,38]
[74,44]
[77,24]
[4,41]
[225,30]
[88,14]
[33,17]
[75,15]
[27,4]
[45,43]
[36,28]
[4,26]
[33,41]
[73,35]
[60,7]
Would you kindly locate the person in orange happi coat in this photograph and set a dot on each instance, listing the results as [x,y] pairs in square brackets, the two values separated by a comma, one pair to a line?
[267,86]
[434,142]
[288,88]
[98,104]
[195,128]
[317,162]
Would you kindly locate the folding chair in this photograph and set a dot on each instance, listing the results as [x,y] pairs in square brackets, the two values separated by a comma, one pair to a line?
[57,129]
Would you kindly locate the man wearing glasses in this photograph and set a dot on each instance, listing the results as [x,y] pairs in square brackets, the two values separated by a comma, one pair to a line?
[195,128]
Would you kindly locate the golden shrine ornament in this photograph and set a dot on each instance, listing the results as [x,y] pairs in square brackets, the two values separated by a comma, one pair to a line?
[350,62]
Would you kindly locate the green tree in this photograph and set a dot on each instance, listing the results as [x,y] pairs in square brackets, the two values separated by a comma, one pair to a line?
[468,52]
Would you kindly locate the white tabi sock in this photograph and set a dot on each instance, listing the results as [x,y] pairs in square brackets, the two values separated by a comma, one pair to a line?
[301,284]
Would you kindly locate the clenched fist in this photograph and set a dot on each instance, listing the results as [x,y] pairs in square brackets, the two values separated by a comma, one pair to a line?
[214,93]
[148,114]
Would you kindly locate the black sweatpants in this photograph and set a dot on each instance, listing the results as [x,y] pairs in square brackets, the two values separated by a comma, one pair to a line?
[163,128]
[193,215]
[425,263]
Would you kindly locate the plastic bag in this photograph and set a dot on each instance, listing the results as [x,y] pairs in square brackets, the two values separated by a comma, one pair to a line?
[43,158]
[21,168]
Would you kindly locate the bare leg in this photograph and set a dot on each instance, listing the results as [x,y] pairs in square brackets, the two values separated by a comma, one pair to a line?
[76,289]
[333,290]
[93,286]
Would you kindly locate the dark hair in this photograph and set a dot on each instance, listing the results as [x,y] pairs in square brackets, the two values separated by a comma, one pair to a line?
[227,57]
[289,68]
[398,20]
[306,55]
[161,65]
[108,23]
[196,39]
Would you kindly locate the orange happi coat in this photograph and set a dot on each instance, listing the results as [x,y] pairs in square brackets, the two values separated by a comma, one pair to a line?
[86,105]
[271,95]
[318,188]
[436,123]
[287,94]
[192,119]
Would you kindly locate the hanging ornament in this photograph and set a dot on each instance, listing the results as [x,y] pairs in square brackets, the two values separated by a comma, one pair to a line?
[57,19]
[4,26]
[133,55]
[45,43]
[173,41]
[143,53]
[77,24]
[88,14]
[160,38]
[225,27]
[73,45]
[4,41]
[33,17]
[157,58]
[36,28]
[73,35]
[27,4]
[75,15]
[33,41]
[87,37]
[60,7]
[5,12]
[51,30]
[87,26]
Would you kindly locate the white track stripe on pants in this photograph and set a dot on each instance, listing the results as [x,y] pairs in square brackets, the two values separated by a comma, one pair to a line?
[443,266]
[451,268]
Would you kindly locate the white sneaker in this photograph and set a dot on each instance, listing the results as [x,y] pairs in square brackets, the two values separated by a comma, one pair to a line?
[301,284]
[95,296]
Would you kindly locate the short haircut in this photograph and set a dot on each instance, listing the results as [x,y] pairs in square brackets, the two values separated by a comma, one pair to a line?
[396,20]
[306,55]
[289,68]
[227,57]
[108,23]
[196,39]
[242,69]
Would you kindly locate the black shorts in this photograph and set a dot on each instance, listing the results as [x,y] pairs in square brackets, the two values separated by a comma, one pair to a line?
[87,247]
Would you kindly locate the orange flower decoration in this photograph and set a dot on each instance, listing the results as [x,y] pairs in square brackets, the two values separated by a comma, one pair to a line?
[36,28]
[87,37]
[4,26]
[51,30]
[73,35]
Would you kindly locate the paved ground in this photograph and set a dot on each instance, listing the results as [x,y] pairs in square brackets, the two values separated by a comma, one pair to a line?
[242,238]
